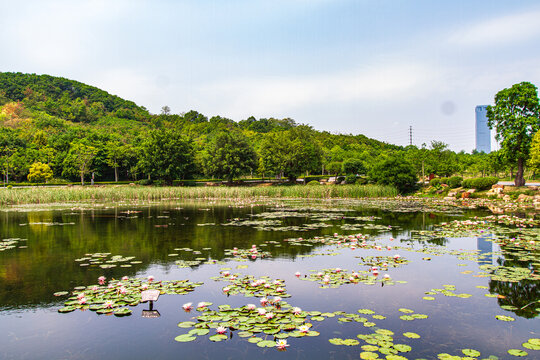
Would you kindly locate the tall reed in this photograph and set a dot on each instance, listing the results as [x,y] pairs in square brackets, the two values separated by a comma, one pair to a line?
[45,195]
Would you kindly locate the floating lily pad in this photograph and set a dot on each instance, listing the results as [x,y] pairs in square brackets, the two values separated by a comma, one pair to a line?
[517,352]
[185,338]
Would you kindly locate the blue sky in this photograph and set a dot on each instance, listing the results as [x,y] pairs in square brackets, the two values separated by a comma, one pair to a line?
[360,67]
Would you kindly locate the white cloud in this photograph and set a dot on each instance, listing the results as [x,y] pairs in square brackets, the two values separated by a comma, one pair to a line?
[502,30]
[242,97]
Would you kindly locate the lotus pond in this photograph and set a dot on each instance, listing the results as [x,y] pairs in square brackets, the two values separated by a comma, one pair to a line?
[288,279]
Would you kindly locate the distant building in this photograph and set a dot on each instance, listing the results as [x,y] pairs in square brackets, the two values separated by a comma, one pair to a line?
[483,133]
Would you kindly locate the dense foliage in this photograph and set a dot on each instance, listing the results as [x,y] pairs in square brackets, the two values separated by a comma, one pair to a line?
[79,130]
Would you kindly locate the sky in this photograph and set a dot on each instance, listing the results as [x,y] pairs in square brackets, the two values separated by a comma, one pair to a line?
[373,67]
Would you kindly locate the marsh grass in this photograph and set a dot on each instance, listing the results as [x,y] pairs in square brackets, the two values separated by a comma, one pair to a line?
[45,195]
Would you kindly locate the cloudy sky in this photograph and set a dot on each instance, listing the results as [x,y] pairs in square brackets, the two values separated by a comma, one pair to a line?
[350,66]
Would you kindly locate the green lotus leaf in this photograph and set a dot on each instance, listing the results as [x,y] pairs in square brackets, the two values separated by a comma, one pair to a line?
[530,346]
[186,324]
[411,335]
[470,352]
[504,318]
[384,332]
[367,355]
[534,341]
[370,348]
[402,347]
[199,332]
[217,337]
[406,311]
[184,338]
[517,352]
[266,343]
[428,298]
[254,340]
[336,341]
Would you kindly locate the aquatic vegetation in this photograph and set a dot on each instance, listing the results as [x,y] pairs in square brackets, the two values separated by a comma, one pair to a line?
[106,261]
[7,244]
[114,297]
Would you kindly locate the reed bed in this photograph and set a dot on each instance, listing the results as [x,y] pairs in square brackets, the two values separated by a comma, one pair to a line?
[47,195]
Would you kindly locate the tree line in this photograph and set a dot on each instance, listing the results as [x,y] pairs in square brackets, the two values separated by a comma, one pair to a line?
[75,130]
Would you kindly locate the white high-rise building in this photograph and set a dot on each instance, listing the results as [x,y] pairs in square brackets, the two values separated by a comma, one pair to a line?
[483,133]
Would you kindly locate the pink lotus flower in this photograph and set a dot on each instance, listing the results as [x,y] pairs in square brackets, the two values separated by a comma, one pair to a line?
[319,274]
[251,306]
[82,301]
[95,288]
[389,247]
[277,282]
[150,278]
[201,305]
[253,257]
[335,234]
[385,265]
[80,295]
[267,286]
[375,273]
[261,311]
[226,289]
[264,301]
[144,286]
[108,304]
[391,239]
[355,274]
[123,290]
[225,273]
[386,277]
[281,344]
[110,286]
[297,274]
[269,315]
[297,311]
[397,256]
[125,278]
[338,270]
[221,330]
[187,306]
[326,279]
[280,290]
[101,280]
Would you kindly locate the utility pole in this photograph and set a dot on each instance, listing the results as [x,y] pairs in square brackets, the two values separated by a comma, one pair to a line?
[410,135]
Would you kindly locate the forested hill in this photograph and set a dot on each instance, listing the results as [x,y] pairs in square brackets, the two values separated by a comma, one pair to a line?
[50,119]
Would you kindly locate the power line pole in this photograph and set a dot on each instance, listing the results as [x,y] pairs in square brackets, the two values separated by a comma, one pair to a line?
[410,135]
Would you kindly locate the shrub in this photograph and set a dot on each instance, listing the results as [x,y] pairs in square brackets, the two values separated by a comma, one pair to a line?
[482,183]
[145,182]
[313,182]
[340,179]
[455,182]
[354,166]
[396,172]
[350,179]
[39,172]
[435,182]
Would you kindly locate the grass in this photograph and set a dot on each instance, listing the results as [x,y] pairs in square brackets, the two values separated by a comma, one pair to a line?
[46,195]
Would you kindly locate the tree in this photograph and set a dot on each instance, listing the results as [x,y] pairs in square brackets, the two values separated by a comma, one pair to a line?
[354,166]
[166,155]
[395,171]
[40,172]
[290,152]
[116,153]
[515,118]
[79,159]
[534,161]
[165,110]
[229,155]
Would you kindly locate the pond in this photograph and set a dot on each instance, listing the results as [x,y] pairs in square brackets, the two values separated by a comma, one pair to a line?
[325,280]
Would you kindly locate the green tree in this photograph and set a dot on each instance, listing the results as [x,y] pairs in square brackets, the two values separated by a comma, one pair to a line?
[534,161]
[39,172]
[515,118]
[395,171]
[229,155]
[354,166]
[116,153]
[166,155]
[79,159]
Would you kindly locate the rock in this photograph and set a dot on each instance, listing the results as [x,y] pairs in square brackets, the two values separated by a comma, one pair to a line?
[507,198]
[523,198]
[449,198]
[452,194]
[497,186]
[533,188]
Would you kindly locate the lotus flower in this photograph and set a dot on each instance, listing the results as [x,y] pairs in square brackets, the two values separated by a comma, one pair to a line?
[269,315]
[187,306]
[123,290]
[386,277]
[280,290]
[150,278]
[144,286]
[397,256]
[95,288]
[80,295]
[251,306]
[297,274]
[276,300]
[125,278]
[319,274]
[108,304]
[201,305]
[297,311]
[110,286]
[82,301]
[338,270]
[221,330]
[277,282]
[253,257]
[226,289]
[101,280]
[375,272]
[264,301]
[303,328]
[281,344]
[389,247]
[261,311]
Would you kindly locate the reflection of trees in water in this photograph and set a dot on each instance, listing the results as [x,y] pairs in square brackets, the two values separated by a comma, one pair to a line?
[524,294]
[29,277]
